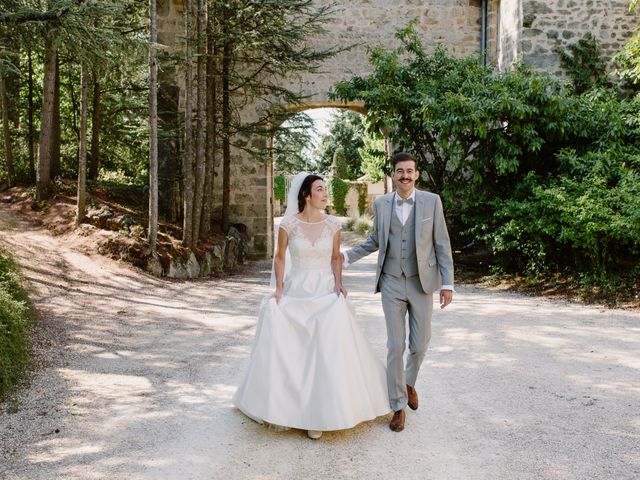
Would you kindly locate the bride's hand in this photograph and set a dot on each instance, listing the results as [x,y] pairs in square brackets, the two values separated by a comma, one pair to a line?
[277,294]
[341,290]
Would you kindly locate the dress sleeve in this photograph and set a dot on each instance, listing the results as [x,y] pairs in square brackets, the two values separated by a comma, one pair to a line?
[286,223]
[334,224]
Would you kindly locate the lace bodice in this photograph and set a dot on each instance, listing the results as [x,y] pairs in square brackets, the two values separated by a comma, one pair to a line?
[310,244]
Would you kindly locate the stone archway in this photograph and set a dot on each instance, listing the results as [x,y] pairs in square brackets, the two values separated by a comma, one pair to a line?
[354,106]
[360,23]
[508,30]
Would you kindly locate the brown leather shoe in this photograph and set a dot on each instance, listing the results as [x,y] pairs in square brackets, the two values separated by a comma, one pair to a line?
[397,422]
[413,397]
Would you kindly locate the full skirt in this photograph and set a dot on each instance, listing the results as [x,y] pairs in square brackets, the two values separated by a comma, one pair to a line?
[311,367]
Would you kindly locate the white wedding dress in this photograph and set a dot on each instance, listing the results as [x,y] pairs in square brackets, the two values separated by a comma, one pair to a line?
[311,367]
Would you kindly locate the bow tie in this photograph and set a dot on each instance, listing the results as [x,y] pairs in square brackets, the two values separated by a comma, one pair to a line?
[408,201]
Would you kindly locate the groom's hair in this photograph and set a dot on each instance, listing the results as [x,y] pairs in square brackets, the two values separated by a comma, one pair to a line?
[403,157]
[305,190]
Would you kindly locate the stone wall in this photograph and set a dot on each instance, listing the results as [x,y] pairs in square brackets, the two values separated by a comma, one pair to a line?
[361,24]
[551,24]
[508,32]
[369,23]
[517,29]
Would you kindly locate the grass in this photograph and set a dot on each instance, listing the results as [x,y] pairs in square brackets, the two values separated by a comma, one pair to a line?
[15,318]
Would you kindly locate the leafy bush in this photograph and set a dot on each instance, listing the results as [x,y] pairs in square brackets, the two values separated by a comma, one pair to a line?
[363,226]
[349,223]
[338,189]
[279,187]
[15,318]
[588,220]
[585,64]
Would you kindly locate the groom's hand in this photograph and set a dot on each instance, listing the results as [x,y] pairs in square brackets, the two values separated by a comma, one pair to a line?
[446,296]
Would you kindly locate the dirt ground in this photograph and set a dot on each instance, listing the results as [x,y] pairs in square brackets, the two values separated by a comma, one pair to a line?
[135,376]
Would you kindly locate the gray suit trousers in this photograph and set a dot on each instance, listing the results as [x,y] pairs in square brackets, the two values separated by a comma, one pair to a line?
[402,295]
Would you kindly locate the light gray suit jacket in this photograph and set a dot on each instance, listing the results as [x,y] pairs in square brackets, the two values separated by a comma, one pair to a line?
[433,248]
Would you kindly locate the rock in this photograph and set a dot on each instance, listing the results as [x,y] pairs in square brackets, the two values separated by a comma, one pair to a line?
[231,253]
[177,269]
[218,255]
[136,230]
[99,216]
[125,222]
[154,267]
[205,265]
[238,231]
[192,267]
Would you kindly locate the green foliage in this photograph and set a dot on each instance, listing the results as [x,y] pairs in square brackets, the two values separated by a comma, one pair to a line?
[279,187]
[628,59]
[585,64]
[15,318]
[338,190]
[465,123]
[587,219]
[345,138]
[362,197]
[340,166]
[266,42]
[374,164]
[546,178]
[109,37]
[292,144]
[363,226]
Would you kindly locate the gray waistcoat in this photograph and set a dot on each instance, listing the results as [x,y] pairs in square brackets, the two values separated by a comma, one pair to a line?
[401,250]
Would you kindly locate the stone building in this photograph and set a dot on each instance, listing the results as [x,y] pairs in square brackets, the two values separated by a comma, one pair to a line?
[507,30]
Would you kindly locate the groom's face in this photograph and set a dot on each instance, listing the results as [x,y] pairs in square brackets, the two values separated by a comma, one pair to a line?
[404,176]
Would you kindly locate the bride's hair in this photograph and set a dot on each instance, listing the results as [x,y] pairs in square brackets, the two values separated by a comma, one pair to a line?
[305,189]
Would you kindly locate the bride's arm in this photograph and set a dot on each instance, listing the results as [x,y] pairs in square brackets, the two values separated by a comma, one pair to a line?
[278,262]
[336,264]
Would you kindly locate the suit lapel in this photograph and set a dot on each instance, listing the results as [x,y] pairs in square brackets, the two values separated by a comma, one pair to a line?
[419,206]
[386,219]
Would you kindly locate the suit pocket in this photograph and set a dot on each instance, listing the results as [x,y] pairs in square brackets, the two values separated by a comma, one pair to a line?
[427,219]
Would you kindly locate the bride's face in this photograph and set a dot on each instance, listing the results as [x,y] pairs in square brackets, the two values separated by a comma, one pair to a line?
[319,197]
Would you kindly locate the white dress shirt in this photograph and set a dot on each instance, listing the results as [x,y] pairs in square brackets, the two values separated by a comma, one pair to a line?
[403,211]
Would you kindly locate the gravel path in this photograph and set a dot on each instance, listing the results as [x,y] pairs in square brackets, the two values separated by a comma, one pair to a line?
[135,377]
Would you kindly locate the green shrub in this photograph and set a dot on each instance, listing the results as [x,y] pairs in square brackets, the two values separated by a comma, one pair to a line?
[15,318]
[338,189]
[585,64]
[279,187]
[349,224]
[363,226]
[362,197]
[587,220]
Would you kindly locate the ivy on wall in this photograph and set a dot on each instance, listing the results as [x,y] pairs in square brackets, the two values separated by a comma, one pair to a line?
[279,187]
[362,197]
[338,189]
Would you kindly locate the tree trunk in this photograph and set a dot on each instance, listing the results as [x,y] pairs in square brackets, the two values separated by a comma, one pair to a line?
[82,164]
[56,137]
[201,120]
[6,129]
[43,180]
[207,207]
[153,128]
[96,122]
[187,164]
[226,131]
[31,134]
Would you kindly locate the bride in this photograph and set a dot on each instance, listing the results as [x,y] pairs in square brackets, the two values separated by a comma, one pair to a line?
[310,367]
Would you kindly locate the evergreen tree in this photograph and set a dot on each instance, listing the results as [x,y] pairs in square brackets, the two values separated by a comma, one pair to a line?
[346,133]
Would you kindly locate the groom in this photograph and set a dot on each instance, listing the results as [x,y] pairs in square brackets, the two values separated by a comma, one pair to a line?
[414,261]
